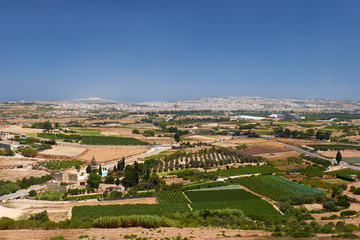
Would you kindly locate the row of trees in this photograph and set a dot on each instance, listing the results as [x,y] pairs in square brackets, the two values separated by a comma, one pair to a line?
[308,134]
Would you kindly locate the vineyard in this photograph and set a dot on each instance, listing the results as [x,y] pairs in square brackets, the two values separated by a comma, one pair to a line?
[61,164]
[274,187]
[51,196]
[203,159]
[219,195]
[232,197]
[171,197]
[127,209]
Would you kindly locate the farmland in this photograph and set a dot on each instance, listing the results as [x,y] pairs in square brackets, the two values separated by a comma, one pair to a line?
[247,170]
[274,187]
[52,196]
[235,198]
[88,132]
[108,153]
[127,209]
[171,197]
[334,147]
[102,140]
[60,164]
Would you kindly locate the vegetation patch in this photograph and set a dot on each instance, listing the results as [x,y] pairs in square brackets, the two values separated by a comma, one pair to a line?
[171,197]
[247,170]
[127,209]
[61,164]
[102,140]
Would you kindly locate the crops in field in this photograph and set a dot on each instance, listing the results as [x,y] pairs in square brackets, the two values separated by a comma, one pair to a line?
[225,197]
[219,195]
[102,140]
[247,170]
[171,197]
[88,132]
[290,186]
[248,207]
[52,196]
[60,164]
[203,185]
[334,147]
[127,209]
[261,187]
[274,187]
[83,197]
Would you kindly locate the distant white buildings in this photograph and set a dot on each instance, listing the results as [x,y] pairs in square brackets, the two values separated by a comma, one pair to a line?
[245,117]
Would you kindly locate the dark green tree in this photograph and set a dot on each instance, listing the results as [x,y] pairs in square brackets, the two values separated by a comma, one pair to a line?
[117,182]
[131,176]
[94,180]
[88,169]
[338,157]
[100,170]
[177,137]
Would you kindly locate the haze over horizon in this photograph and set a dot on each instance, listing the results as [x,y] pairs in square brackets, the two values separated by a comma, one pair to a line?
[174,50]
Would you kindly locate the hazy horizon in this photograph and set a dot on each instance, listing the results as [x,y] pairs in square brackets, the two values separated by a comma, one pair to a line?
[174,50]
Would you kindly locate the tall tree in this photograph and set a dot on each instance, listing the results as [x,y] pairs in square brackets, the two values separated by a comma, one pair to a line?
[338,157]
[88,169]
[100,170]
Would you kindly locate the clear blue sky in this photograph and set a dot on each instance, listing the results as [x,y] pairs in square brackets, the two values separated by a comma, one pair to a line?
[179,49]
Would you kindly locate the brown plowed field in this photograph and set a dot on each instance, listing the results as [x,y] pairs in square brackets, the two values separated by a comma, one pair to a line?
[105,154]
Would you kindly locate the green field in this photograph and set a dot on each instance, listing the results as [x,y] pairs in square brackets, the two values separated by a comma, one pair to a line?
[334,147]
[219,195]
[60,164]
[127,209]
[225,197]
[352,160]
[274,187]
[261,187]
[88,132]
[248,207]
[171,197]
[102,140]
[247,170]
[52,196]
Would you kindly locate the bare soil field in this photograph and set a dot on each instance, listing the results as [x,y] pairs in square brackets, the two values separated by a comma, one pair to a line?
[344,153]
[299,142]
[64,151]
[123,233]
[20,130]
[127,132]
[123,132]
[13,174]
[105,154]
[280,155]
[209,138]
[12,162]
[260,150]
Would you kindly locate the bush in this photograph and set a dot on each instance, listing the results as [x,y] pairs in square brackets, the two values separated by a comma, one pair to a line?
[348,213]
[32,193]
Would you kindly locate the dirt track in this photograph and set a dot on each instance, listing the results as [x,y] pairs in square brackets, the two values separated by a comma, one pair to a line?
[120,233]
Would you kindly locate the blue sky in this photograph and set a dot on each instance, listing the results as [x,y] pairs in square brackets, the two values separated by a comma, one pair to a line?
[170,50]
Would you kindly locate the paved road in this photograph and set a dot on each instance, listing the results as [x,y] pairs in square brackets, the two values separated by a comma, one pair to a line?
[22,193]
[343,164]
